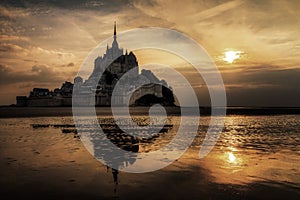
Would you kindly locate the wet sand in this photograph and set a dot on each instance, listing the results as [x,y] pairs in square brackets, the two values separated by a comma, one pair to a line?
[47,163]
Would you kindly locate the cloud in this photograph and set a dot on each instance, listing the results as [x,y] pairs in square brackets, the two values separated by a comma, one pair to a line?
[39,51]
[38,74]
[10,52]
[71,64]
[264,30]
[218,10]
[264,76]
[103,5]
[11,48]
[5,38]
[35,35]
[8,12]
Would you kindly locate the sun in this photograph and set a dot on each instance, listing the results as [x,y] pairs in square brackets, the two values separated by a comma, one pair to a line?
[230,56]
[231,157]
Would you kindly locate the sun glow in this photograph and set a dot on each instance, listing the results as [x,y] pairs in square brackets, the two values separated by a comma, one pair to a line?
[230,56]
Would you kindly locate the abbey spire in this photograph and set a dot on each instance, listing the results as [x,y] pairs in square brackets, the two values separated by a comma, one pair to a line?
[115,45]
[115,30]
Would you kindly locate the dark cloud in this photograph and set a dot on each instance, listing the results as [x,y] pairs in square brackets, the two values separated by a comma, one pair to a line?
[103,5]
[263,96]
[8,47]
[38,74]
[265,87]
[262,75]
[71,64]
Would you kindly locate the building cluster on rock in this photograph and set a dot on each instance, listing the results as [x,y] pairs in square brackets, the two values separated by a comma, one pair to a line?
[112,69]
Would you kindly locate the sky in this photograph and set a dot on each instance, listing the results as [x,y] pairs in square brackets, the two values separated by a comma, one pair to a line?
[43,43]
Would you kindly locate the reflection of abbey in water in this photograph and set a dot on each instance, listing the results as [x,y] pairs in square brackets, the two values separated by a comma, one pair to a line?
[121,67]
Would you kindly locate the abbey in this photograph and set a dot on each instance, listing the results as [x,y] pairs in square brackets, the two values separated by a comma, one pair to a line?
[115,60]
[114,68]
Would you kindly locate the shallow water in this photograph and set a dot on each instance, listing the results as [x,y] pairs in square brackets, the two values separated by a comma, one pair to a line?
[251,150]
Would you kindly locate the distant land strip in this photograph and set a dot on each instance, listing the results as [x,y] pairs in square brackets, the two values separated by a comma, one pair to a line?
[13,112]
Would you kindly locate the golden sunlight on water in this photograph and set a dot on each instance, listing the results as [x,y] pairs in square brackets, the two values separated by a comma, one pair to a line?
[256,149]
[251,150]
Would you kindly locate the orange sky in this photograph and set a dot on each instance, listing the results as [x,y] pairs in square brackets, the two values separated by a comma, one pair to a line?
[43,44]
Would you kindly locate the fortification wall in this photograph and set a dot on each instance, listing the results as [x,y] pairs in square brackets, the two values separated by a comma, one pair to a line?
[44,102]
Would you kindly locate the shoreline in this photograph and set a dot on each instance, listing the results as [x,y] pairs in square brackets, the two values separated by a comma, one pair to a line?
[18,112]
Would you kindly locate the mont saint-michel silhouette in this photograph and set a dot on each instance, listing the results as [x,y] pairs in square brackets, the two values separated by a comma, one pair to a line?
[98,88]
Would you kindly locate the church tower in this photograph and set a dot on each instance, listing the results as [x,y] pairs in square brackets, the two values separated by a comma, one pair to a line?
[115,46]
